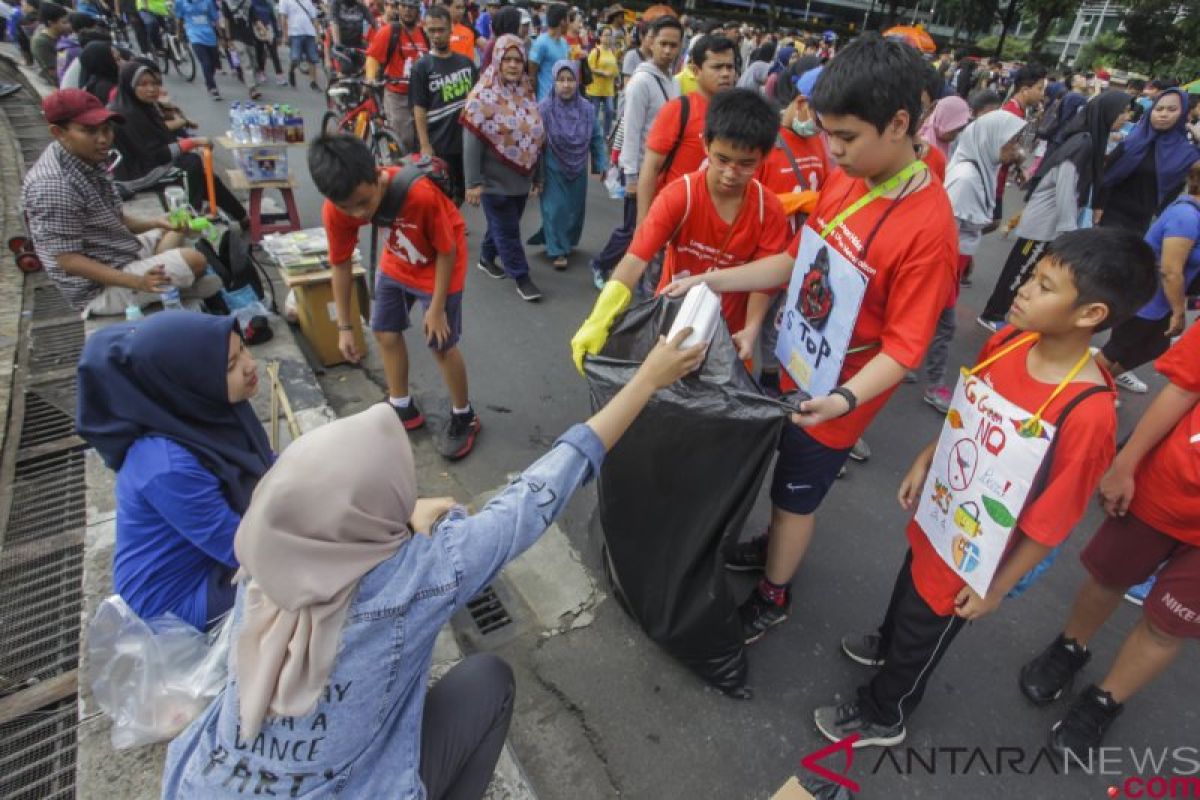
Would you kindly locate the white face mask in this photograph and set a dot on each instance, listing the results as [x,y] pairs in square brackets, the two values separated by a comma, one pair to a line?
[804,128]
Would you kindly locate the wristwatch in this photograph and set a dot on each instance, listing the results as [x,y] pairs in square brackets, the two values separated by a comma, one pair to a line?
[848,396]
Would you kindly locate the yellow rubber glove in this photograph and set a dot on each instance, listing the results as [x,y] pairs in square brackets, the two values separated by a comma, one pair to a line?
[593,333]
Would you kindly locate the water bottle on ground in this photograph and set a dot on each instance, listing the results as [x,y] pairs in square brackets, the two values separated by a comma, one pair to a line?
[254,124]
[171,300]
[133,312]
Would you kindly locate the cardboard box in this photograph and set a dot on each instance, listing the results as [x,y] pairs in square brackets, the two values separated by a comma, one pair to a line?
[318,313]
[792,790]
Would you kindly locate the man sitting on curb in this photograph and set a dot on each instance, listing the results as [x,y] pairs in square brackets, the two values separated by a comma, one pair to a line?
[101,258]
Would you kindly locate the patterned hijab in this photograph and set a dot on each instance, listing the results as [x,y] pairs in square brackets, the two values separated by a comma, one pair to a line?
[569,124]
[505,115]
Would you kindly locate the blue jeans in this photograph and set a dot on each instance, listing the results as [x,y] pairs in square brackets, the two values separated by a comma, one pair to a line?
[208,56]
[304,48]
[503,237]
[606,113]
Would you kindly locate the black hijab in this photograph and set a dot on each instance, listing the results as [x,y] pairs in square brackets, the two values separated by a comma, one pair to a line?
[144,140]
[165,376]
[98,70]
[1085,140]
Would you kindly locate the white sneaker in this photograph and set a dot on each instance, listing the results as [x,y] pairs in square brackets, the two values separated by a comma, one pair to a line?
[1132,383]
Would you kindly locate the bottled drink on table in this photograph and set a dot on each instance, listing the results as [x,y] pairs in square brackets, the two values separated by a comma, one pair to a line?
[170,299]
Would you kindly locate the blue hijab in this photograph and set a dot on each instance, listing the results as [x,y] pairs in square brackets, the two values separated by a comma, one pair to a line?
[782,57]
[1173,153]
[165,376]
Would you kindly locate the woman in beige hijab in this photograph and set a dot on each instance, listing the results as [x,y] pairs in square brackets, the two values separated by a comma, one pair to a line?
[346,580]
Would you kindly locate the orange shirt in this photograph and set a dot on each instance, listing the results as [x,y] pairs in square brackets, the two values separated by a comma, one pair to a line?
[682,218]
[910,265]
[1167,493]
[777,174]
[409,48]
[462,41]
[1083,450]
[664,134]
[935,159]
[428,224]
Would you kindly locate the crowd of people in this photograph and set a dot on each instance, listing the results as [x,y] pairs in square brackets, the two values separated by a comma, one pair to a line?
[732,151]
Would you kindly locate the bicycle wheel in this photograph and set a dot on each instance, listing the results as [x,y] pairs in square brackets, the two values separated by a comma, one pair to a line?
[331,123]
[187,61]
[163,55]
[385,146]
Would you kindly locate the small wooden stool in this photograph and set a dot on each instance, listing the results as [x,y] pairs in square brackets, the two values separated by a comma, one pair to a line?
[261,225]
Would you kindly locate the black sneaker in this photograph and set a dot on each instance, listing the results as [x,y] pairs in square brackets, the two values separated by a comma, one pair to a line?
[760,614]
[491,269]
[1044,679]
[748,556]
[1085,724]
[528,289]
[459,438]
[863,648]
[410,415]
[837,722]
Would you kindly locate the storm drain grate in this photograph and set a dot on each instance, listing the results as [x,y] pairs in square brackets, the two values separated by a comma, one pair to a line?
[49,497]
[37,754]
[45,420]
[488,612]
[40,606]
[56,346]
[48,303]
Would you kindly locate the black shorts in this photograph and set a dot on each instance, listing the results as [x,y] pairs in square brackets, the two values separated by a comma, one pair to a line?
[1137,341]
[804,472]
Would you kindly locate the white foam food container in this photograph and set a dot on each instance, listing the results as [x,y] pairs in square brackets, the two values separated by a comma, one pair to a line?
[701,311]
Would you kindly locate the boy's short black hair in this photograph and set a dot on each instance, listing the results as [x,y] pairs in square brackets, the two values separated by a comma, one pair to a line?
[982,99]
[1137,84]
[556,14]
[662,23]
[438,12]
[1027,76]
[872,79]
[339,163]
[710,43]
[80,21]
[935,84]
[1113,266]
[51,12]
[743,117]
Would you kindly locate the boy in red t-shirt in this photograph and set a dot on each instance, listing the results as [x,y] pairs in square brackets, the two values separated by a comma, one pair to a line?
[709,220]
[1152,496]
[905,244]
[712,58]
[394,48]
[1087,281]
[424,259]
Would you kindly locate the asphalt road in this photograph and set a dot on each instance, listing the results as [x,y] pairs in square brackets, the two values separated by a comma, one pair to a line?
[602,713]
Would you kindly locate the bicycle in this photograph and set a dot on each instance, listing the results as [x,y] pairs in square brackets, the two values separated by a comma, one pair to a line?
[359,112]
[175,50]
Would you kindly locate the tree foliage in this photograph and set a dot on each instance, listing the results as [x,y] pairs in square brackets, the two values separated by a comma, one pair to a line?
[1014,49]
[1153,37]
[1046,13]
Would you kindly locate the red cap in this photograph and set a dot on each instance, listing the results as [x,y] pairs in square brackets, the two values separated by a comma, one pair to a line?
[1103,74]
[76,105]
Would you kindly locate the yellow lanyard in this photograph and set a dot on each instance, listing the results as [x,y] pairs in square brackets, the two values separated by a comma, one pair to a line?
[1033,425]
[883,188]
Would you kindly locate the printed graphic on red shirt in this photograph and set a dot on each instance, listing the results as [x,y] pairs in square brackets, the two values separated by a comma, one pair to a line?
[1084,446]
[1167,491]
[410,46]
[427,224]
[684,220]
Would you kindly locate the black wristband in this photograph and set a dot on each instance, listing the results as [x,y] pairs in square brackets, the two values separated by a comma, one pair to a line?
[344,328]
[848,396]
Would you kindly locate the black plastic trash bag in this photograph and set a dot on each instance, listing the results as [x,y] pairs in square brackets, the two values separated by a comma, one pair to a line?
[676,490]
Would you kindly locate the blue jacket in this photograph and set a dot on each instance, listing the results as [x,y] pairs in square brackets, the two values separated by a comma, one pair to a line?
[363,738]
[199,20]
[174,529]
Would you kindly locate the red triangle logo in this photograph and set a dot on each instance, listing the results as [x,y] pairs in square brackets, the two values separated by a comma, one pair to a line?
[809,762]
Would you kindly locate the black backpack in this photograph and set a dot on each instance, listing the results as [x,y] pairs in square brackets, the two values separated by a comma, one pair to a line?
[585,74]
[413,168]
[232,262]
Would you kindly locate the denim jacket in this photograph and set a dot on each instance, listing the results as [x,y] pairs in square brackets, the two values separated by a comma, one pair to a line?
[363,738]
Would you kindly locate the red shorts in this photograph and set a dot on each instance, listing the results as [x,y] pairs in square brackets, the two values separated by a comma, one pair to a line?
[1126,551]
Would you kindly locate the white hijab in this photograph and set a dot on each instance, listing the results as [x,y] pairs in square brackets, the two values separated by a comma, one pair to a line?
[971,173]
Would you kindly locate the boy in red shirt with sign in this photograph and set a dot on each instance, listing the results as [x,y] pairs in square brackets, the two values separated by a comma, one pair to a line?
[886,215]
[1088,281]
[1152,496]
[708,220]
[424,259]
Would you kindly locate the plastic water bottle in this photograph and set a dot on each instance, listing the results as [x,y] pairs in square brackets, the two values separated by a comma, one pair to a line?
[237,123]
[612,182]
[253,125]
[170,299]
[133,313]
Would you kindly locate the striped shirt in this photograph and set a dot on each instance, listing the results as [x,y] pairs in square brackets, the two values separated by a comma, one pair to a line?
[73,207]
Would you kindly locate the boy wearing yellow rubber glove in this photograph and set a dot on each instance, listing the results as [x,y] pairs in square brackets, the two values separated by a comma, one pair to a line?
[716,218]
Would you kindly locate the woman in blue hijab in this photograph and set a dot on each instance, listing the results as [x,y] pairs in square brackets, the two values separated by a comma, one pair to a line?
[1147,170]
[165,402]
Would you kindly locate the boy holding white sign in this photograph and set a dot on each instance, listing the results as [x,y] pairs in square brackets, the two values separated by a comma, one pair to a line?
[880,254]
[1030,431]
